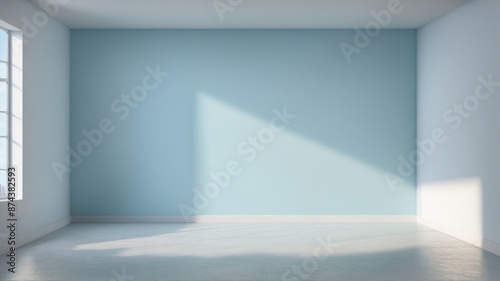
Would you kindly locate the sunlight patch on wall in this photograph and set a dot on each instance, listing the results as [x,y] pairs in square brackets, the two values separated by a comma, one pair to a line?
[281,171]
[454,207]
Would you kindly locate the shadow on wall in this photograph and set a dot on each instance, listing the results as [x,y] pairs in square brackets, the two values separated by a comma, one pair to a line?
[278,131]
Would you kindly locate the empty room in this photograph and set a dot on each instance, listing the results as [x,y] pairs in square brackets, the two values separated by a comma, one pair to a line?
[278,140]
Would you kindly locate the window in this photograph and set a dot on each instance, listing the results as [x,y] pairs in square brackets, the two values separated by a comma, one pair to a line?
[10,106]
[4,109]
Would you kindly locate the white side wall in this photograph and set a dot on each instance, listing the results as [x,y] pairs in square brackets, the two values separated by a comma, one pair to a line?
[459,184]
[46,123]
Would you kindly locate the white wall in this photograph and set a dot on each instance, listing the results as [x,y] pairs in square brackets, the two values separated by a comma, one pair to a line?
[46,122]
[459,185]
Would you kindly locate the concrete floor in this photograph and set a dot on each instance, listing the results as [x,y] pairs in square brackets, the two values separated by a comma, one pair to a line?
[257,251]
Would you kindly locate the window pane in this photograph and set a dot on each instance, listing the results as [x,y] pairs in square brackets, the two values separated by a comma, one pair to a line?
[3,96]
[3,184]
[3,153]
[3,70]
[3,45]
[3,124]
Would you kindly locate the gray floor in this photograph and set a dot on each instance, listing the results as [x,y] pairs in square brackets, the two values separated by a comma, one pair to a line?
[242,251]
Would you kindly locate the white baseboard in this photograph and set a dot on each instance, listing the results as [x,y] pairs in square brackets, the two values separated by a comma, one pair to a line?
[127,219]
[476,240]
[248,219]
[22,240]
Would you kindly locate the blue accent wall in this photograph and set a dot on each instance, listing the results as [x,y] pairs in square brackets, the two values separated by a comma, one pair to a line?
[248,122]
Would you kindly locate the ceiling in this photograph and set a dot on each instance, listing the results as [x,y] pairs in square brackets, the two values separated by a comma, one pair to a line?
[180,14]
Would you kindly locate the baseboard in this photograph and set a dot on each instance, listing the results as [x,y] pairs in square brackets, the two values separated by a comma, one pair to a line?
[476,240]
[22,240]
[231,219]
